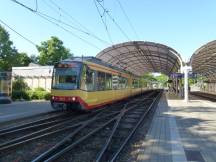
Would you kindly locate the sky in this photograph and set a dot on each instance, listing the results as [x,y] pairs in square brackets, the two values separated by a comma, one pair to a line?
[184,25]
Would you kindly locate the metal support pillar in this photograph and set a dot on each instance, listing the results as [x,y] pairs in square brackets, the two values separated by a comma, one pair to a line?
[186,86]
[176,86]
[186,70]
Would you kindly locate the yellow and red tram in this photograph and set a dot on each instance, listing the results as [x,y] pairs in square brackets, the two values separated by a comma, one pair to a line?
[87,83]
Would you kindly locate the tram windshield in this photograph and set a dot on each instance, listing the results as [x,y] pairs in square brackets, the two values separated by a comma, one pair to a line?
[66,76]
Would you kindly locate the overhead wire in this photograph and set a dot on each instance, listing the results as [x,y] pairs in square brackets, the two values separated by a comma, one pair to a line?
[44,16]
[21,4]
[36,4]
[66,13]
[70,32]
[86,30]
[103,22]
[104,13]
[28,40]
[111,18]
[127,18]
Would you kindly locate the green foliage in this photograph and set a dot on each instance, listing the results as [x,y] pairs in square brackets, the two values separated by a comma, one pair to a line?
[47,96]
[20,95]
[34,59]
[150,78]
[22,59]
[7,51]
[39,94]
[39,89]
[36,94]
[30,93]
[162,79]
[19,85]
[52,51]
[22,91]
[9,56]
[19,89]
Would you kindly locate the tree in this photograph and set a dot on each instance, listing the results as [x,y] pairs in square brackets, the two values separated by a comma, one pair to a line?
[9,56]
[7,51]
[52,51]
[34,59]
[149,78]
[22,59]
[162,79]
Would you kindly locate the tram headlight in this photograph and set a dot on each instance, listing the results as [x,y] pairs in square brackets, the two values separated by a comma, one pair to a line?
[73,98]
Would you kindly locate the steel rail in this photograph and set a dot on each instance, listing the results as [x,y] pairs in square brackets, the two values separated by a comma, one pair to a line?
[37,134]
[203,95]
[67,139]
[59,149]
[108,142]
[57,155]
[154,103]
[111,135]
[35,126]
[29,124]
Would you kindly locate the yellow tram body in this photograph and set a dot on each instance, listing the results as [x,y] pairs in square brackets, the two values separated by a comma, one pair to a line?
[95,97]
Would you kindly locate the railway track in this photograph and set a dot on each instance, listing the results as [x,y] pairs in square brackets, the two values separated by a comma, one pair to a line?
[33,124]
[39,129]
[121,125]
[112,126]
[203,95]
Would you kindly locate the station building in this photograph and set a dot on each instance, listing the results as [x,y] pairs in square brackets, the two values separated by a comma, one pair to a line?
[35,75]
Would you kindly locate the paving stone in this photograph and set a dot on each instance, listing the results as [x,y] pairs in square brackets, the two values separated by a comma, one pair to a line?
[181,132]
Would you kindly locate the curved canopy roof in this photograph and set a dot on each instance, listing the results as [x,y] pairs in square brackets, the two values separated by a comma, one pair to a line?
[140,57]
[203,61]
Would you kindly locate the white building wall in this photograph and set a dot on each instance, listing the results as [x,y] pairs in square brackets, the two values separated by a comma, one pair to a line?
[35,77]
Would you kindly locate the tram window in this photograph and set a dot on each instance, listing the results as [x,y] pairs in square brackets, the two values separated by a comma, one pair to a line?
[90,81]
[108,81]
[69,79]
[122,83]
[65,78]
[135,83]
[101,81]
[126,83]
[115,82]
[138,83]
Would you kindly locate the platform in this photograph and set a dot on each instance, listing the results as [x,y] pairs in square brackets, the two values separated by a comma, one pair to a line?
[181,132]
[18,110]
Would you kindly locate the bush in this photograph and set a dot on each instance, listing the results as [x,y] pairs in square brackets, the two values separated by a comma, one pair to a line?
[47,96]
[20,90]
[40,93]
[20,95]
[20,85]
[36,94]
[30,93]
[39,89]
